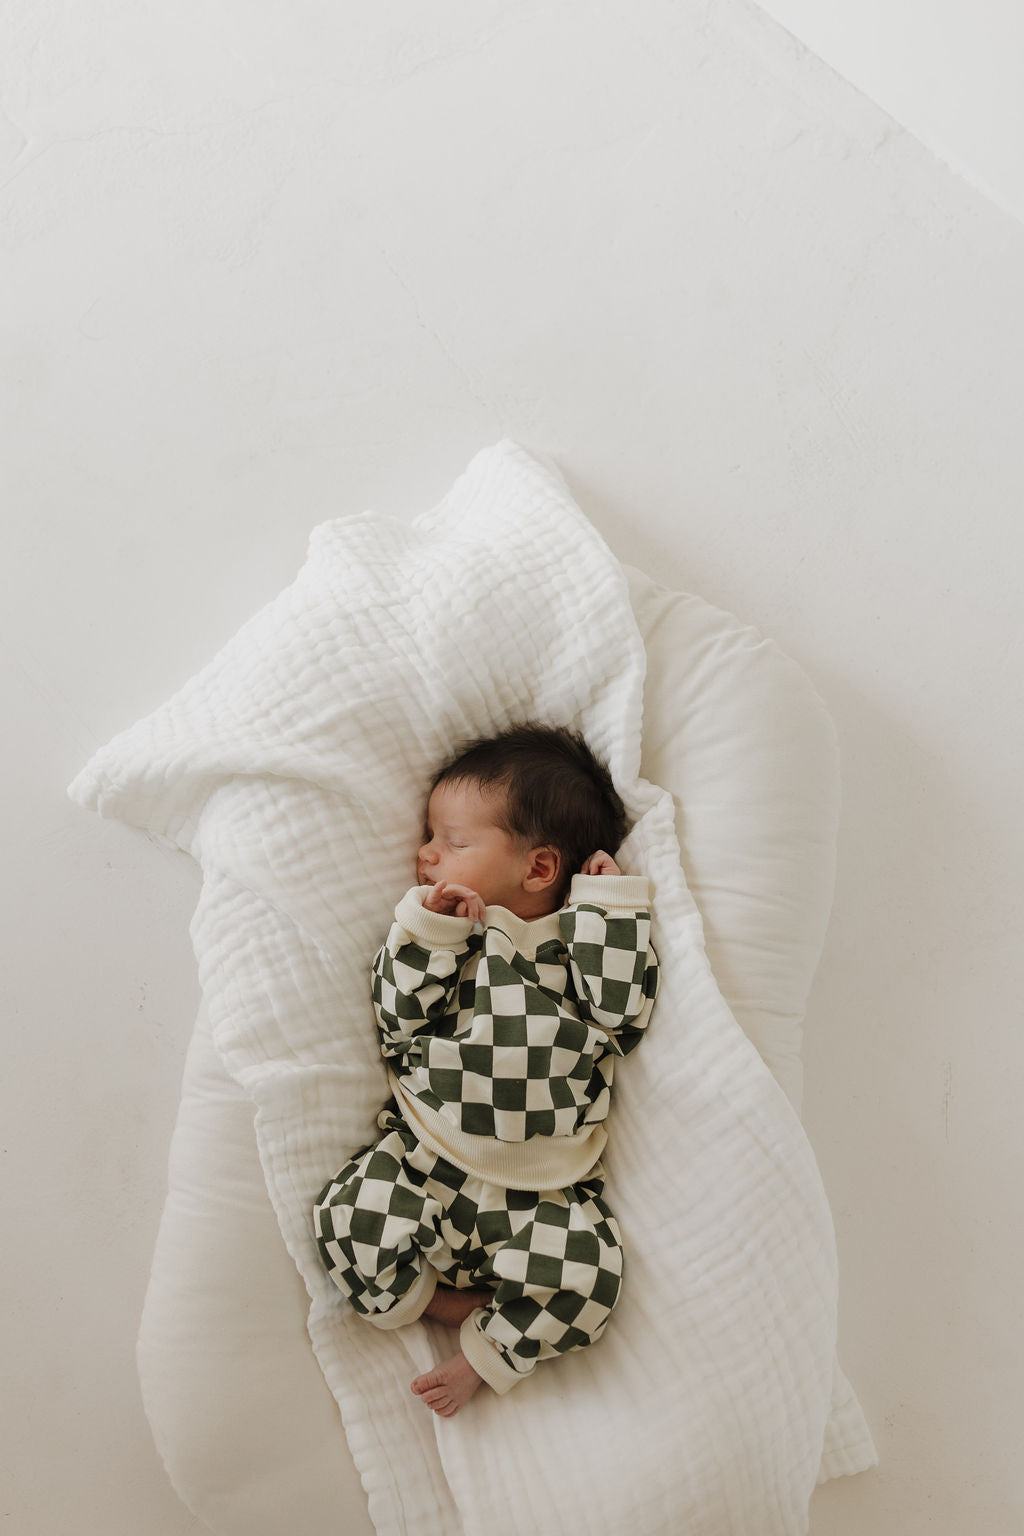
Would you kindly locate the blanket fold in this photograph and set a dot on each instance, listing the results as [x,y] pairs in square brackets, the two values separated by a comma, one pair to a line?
[293,768]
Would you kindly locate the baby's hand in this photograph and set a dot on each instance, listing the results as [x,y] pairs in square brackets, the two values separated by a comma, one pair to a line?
[600,863]
[454,901]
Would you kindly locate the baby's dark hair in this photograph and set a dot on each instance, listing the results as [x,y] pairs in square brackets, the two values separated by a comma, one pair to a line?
[556,791]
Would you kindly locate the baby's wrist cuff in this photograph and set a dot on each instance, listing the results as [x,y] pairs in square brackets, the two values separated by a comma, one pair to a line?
[630,891]
[435,929]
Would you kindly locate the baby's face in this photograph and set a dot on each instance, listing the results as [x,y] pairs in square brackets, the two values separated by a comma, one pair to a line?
[466,845]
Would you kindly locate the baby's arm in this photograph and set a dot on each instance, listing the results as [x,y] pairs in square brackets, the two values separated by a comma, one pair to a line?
[607,933]
[416,970]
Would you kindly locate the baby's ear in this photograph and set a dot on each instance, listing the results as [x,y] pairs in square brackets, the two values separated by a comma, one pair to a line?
[545,869]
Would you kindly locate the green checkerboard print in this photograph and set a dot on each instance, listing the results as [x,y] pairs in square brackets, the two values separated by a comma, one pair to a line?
[553,1259]
[515,1044]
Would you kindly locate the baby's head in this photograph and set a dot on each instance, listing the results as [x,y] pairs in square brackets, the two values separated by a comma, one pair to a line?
[514,816]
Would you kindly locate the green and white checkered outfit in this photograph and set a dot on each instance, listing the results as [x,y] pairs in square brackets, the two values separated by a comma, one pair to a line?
[397,1218]
[501,1047]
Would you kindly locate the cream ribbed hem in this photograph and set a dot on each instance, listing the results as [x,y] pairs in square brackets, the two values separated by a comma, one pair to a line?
[484,1358]
[543,1162]
[434,929]
[412,1305]
[611,891]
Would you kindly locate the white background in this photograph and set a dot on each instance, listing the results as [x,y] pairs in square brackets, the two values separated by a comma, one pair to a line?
[949,70]
[266,264]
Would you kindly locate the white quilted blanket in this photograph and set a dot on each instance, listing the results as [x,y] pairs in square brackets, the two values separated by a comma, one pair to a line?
[293,767]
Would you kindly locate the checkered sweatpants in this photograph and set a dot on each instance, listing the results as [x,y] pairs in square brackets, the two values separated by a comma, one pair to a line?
[553,1259]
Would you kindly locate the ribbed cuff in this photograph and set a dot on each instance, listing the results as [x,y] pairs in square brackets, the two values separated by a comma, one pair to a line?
[484,1358]
[412,1305]
[632,891]
[432,928]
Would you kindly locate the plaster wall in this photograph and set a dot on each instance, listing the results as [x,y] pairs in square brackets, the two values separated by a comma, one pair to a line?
[264,266]
[947,70]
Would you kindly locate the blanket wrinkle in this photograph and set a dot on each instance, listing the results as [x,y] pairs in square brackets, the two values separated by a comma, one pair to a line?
[306,744]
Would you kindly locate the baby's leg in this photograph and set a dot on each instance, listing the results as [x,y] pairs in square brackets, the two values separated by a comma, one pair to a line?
[559,1277]
[452,1307]
[374,1223]
[558,1263]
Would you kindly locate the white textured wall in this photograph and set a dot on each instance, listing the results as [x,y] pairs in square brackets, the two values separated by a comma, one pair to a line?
[265,264]
[949,70]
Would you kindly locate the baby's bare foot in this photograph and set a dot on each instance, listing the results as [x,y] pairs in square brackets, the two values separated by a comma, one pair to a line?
[449,1386]
[452,1307]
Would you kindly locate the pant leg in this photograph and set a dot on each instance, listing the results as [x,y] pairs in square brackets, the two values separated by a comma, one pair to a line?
[375,1222]
[559,1276]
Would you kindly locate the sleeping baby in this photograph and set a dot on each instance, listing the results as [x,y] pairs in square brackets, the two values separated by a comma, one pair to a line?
[518,968]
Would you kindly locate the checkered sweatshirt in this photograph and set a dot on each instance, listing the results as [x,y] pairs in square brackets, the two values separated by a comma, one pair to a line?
[501,1044]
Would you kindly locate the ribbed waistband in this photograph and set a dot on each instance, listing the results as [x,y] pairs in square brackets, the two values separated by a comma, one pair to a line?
[543,1162]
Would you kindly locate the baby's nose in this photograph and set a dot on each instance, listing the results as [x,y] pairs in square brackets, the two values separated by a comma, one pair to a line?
[427,854]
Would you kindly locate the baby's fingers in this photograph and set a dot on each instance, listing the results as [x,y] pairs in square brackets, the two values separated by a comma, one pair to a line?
[600,863]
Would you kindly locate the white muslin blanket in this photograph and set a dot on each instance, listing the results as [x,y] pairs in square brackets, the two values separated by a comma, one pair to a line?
[293,768]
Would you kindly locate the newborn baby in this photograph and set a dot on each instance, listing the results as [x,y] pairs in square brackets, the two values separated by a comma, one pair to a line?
[518,968]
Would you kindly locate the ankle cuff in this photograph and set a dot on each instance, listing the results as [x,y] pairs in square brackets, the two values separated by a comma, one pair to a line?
[410,1306]
[484,1357]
